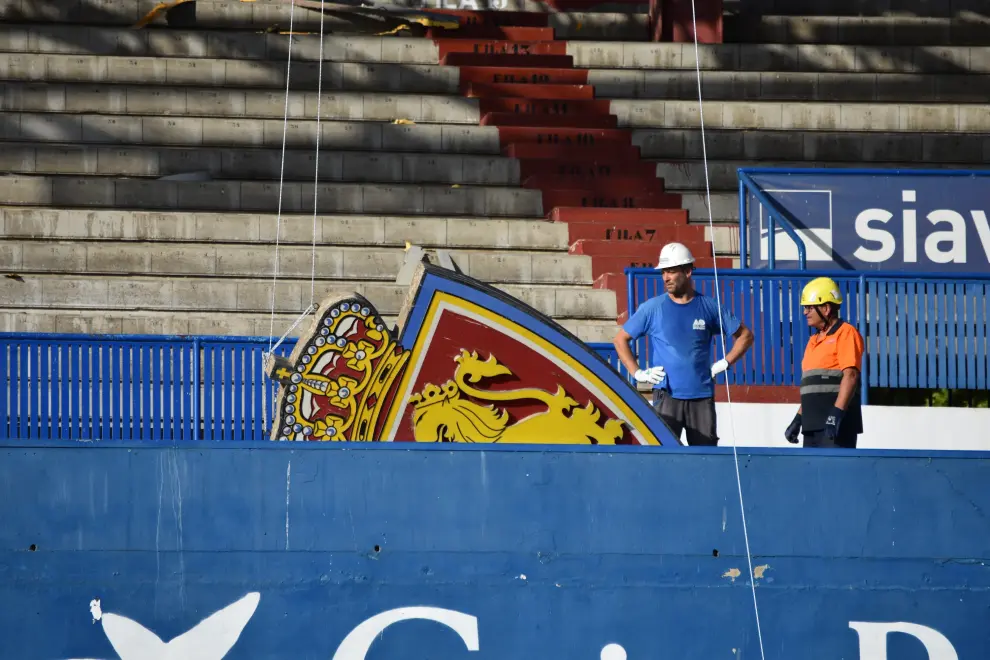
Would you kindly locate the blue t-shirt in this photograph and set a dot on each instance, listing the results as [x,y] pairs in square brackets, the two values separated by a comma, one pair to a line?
[681,341]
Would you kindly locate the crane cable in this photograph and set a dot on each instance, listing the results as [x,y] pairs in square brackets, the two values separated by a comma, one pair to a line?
[718,304]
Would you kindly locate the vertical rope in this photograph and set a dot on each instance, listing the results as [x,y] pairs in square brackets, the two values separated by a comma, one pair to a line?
[718,302]
[281,175]
[316,178]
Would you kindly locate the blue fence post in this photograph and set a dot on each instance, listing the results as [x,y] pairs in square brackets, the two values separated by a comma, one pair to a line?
[772,240]
[863,328]
[743,225]
[195,383]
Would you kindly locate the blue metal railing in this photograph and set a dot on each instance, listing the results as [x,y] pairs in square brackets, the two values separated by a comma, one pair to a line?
[927,331]
[143,387]
[134,387]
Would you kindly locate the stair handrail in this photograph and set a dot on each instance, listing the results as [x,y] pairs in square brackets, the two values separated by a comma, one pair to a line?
[774,211]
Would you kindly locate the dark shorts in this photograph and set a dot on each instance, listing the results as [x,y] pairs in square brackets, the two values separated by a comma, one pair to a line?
[818,439]
[694,416]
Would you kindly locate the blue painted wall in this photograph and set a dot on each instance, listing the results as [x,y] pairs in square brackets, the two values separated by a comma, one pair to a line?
[615,546]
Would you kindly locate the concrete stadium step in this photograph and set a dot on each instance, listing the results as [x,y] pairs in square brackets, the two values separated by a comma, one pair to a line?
[256,324]
[233,132]
[942,8]
[859,30]
[272,49]
[724,208]
[782,57]
[137,194]
[797,86]
[222,44]
[363,106]
[247,295]
[382,231]
[438,79]
[725,238]
[822,146]
[803,116]
[267,164]
[722,175]
[209,72]
[243,103]
[332,263]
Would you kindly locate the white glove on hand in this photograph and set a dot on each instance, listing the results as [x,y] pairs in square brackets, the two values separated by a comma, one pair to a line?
[654,375]
[719,367]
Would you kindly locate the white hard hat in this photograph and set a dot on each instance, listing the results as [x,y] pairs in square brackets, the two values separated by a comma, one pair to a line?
[674,254]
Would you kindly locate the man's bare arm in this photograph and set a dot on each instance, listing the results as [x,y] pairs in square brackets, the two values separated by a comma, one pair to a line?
[621,343]
[743,340]
[850,376]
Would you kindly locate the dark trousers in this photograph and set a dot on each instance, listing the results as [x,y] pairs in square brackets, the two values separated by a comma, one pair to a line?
[819,439]
[694,416]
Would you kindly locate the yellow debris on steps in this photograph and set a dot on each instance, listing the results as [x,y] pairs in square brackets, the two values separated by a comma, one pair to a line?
[159,8]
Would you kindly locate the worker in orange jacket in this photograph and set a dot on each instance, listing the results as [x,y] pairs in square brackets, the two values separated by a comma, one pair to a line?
[830,414]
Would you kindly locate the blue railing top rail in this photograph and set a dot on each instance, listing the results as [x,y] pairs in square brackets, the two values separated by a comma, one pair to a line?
[860,171]
[60,336]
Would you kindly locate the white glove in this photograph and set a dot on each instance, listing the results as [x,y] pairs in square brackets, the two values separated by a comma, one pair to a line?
[719,367]
[654,375]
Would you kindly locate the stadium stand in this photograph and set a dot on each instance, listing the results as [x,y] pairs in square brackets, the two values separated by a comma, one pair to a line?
[546,149]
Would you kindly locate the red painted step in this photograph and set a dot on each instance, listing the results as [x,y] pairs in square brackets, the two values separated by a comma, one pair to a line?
[495,32]
[586,137]
[510,18]
[500,47]
[593,183]
[531,91]
[605,265]
[640,216]
[483,59]
[634,249]
[570,121]
[558,197]
[501,74]
[544,106]
[590,168]
[553,153]
[655,235]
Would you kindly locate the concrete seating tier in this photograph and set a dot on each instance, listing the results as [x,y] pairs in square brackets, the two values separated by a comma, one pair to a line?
[272,50]
[927,8]
[973,30]
[125,269]
[625,22]
[673,84]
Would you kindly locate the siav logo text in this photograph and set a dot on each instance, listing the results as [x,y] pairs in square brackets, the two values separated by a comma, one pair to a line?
[945,234]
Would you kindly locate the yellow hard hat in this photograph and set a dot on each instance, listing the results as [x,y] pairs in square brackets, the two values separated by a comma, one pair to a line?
[821,290]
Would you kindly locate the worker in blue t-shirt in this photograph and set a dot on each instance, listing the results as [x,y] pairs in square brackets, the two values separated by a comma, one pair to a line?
[681,326]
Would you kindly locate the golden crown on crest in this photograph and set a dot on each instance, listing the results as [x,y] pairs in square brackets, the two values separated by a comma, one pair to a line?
[337,380]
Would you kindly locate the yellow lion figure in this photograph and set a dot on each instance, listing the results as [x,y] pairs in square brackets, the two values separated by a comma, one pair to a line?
[443,414]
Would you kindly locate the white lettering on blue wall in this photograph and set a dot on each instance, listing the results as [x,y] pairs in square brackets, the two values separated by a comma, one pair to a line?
[216,635]
[946,245]
[873,639]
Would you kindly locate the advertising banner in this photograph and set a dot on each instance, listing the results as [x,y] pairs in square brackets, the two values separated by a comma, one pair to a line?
[921,221]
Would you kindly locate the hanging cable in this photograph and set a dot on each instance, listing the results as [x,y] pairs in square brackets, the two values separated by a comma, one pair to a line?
[316,177]
[281,175]
[718,303]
